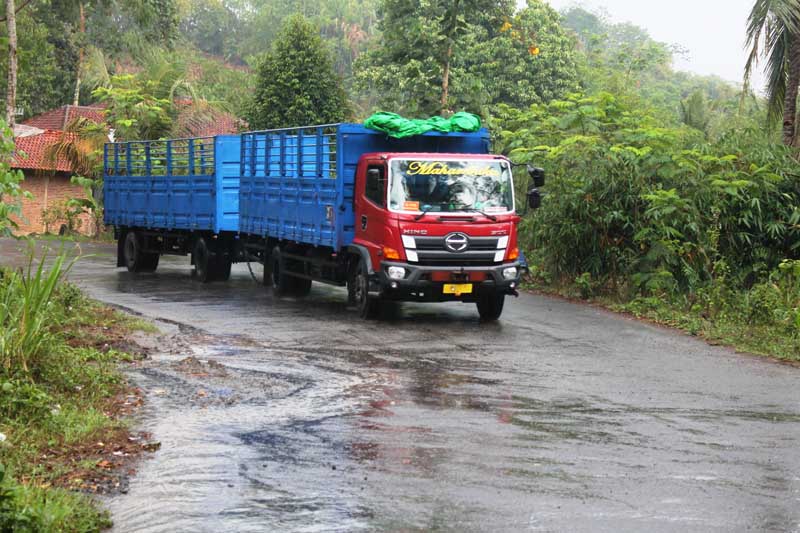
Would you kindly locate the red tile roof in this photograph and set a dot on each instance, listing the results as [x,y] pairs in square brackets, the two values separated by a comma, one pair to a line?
[31,152]
[57,119]
[203,121]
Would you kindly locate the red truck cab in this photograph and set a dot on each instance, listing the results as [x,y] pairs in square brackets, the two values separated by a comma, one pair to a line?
[437,227]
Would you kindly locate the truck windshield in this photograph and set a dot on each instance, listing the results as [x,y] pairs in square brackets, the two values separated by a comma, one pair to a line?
[442,186]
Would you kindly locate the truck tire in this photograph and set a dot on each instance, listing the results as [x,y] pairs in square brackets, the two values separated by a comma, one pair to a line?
[282,284]
[137,260]
[204,263]
[490,306]
[366,305]
[351,283]
[266,279]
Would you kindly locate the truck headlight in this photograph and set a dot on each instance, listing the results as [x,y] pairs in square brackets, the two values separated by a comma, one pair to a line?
[510,273]
[397,272]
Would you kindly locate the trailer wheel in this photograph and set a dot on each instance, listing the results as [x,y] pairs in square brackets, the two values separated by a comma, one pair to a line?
[136,260]
[490,306]
[366,305]
[281,283]
[266,280]
[204,267]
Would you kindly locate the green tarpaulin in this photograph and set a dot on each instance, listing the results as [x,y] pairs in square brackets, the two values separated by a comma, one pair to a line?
[399,127]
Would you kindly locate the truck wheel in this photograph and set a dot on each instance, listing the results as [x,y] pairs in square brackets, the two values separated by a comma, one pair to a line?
[266,280]
[366,305]
[490,306]
[204,267]
[351,284]
[136,260]
[281,283]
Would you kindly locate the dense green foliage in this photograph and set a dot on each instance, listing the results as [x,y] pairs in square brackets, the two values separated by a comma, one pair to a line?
[296,83]
[50,40]
[10,191]
[241,30]
[639,208]
[485,52]
[651,204]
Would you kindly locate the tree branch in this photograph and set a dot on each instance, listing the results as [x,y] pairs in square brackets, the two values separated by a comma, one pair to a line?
[20,8]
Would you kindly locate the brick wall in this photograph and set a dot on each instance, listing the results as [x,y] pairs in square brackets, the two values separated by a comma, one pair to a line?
[48,190]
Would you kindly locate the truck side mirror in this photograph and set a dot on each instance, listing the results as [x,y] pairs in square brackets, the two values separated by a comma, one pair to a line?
[537,175]
[534,199]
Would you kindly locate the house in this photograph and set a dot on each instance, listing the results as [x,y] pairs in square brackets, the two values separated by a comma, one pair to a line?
[49,181]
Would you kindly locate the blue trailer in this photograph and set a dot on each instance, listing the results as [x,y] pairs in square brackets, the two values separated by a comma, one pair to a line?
[174,196]
[430,217]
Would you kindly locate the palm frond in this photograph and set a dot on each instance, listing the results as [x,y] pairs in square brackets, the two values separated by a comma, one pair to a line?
[771,26]
[81,144]
[777,46]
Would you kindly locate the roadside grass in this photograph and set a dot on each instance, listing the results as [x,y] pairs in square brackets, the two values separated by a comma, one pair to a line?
[744,320]
[733,328]
[59,384]
[105,236]
[32,508]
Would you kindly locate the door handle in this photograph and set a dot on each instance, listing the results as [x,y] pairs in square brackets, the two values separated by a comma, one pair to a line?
[363,222]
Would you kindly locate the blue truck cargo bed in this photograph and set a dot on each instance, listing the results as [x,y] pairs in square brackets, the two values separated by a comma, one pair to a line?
[297,184]
[179,184]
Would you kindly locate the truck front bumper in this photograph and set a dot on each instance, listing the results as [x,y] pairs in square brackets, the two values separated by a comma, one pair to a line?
[419,285]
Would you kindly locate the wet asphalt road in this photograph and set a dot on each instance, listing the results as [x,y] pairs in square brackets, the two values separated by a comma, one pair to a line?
[558,418]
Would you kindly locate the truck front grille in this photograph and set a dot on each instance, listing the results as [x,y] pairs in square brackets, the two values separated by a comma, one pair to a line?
[431,251]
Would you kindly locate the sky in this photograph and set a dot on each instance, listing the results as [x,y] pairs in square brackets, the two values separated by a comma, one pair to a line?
[713,31]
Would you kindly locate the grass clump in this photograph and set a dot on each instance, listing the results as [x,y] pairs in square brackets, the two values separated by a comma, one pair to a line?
[58,376]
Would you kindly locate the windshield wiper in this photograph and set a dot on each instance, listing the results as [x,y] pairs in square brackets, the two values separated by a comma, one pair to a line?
[476,210]
[424,212]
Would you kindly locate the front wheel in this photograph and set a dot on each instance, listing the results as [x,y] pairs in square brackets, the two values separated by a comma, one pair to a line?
[490,306]
[366,305]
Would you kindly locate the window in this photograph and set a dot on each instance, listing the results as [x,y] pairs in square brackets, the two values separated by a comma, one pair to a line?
[374,187]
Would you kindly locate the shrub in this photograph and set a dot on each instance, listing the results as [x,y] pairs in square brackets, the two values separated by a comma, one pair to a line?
[648,207]
[27,316]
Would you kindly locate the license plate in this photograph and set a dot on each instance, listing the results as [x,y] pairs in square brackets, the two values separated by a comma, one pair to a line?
[458,289]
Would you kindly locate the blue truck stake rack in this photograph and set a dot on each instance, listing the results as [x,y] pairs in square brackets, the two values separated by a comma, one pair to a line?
[178,184]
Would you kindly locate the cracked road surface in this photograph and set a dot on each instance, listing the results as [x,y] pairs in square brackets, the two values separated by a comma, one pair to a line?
[287,415]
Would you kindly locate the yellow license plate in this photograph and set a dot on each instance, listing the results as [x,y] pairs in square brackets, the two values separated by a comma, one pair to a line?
[458,290]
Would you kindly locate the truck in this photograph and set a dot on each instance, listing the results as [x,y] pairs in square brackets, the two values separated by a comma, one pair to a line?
[426,218]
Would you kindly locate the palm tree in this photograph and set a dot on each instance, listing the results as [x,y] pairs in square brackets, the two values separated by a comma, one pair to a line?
[773,32]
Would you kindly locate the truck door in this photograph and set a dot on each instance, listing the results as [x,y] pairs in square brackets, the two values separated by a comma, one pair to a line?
[370,208]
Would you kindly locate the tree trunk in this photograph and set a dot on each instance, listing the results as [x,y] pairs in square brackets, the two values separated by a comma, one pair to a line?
[11,92]
[82,31]
[446,78]
[792,84]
